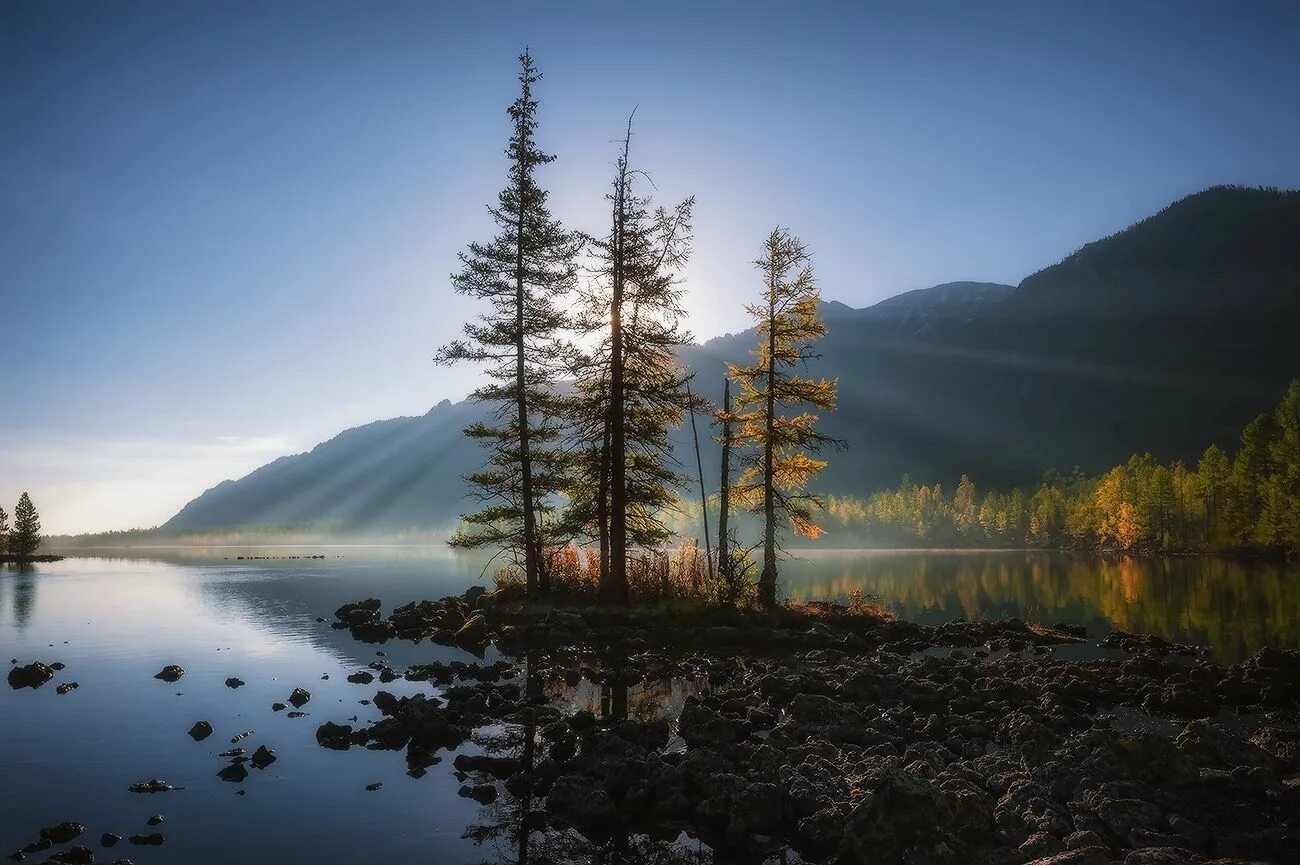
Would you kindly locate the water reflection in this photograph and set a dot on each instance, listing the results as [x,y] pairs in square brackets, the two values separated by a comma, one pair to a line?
[1237,607]
[24,596]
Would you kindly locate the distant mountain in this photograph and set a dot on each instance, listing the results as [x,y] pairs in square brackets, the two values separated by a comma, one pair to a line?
[1162,337]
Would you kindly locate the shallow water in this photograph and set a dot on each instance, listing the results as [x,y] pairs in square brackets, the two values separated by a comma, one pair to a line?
[116,621]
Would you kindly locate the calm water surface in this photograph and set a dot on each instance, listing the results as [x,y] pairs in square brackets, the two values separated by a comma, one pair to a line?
[116,621]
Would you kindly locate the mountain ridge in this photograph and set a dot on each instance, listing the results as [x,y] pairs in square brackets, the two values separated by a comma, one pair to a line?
[1163,336]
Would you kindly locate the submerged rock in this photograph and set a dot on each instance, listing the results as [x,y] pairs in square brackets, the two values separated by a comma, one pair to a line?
[65,687]
[62,833]
[234,682]
[153,785]
[109,839]
[154,839]
[234,773]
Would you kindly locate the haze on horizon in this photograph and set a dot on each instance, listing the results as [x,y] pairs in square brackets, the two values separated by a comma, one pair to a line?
[227,232]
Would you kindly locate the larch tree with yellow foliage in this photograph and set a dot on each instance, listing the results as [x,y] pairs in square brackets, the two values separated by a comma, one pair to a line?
[775,413]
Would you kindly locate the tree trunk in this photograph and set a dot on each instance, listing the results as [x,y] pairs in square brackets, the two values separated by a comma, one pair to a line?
[724,489]
[531,563]
[767,580]
[704,501]
[617,439]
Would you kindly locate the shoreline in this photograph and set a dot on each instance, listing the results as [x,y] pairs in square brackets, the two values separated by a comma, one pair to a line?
[856,738]
[10,559]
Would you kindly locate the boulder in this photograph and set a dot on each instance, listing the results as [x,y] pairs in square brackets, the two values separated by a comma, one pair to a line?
[299,698]
[62,833]
[233,682]
[32,675]
[263,757]
[170,673]
[200,731]
[903,818]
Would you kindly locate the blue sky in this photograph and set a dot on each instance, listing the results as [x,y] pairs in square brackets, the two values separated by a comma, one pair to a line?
[226,229]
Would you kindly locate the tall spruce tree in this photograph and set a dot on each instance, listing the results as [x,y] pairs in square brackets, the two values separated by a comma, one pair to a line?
[26,537]
[634,388]
[4,532]
[781,445]
[520,273]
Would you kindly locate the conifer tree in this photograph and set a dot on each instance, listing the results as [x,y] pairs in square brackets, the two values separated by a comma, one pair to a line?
[724,488]
[634,388]
[520,273]
[4,532]
[782,445]
[26,537]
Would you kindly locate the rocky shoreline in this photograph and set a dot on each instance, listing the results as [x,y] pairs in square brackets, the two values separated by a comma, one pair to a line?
[852,738]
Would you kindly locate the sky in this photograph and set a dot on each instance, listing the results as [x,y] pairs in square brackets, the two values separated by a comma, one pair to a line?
[226,229]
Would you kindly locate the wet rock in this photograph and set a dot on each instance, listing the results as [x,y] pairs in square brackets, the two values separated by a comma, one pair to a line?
[153,785]
[297,714]
[154,839]
[484,794]
[109,839]
[62,833]
[278,707]
[78,855]
[239,737]
[363,677]
[499,767]
[32,675]
[370,788]
[65,687]
[299,698]
[155,819]
[700,725]
[335,736]
[263,757]
[200,731]
[233,774]
[234,682]
[170,673]
[232,752]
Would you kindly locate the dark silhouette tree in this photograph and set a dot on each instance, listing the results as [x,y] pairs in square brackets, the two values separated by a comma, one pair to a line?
[724,487]
[635,389]
[782,446]
[26,537]
[520,273]
[4,532]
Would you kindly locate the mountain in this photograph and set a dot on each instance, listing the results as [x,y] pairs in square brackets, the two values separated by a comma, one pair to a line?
[1166,336]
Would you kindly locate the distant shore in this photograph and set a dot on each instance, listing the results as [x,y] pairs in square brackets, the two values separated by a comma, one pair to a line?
[11,559]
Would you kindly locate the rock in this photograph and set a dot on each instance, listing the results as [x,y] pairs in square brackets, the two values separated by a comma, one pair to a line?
[499,767]
[200,731]
[1163,856]
[62,833]
[297,714]
[370,788]
[153,785]
[233,774]
[474,632]
[65,687]
[575,800]
[1080,856]
[263,757]
[33,675]
[902,818]
[233,682]
[154,839]
[1085,838]
[155,819]
[299,698]
[1208,744]
[79,855]
[364,677]
[278,707]
[484,794]
[335,736]
[109,839]
[700,725]
[170,673]
[239,737]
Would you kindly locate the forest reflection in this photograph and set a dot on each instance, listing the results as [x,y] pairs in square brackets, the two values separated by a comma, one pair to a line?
[1234,606]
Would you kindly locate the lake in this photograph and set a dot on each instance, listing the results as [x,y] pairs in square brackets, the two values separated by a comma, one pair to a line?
[116,621]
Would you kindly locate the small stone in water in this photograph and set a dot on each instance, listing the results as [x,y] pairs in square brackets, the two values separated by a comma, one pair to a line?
[373,787]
